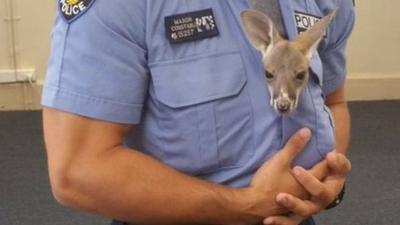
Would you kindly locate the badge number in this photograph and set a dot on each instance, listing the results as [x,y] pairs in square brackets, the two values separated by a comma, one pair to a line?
[72,9]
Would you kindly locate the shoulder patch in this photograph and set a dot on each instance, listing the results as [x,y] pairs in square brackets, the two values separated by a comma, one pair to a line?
[70,10]
[305,21]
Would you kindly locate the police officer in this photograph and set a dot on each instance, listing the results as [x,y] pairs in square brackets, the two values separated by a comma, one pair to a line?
[156,112]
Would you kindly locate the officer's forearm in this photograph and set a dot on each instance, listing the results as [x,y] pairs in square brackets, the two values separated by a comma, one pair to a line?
[341,116]
[338,105]
[131,186]
[90,169]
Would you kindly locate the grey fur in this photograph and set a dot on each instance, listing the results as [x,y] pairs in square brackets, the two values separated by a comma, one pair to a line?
[286,62]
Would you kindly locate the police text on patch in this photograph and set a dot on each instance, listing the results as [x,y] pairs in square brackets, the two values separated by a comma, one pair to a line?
[305,21]
[72,9]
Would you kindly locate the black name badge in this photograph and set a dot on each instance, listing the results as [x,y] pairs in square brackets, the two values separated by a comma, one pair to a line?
[305,21]
[191,26]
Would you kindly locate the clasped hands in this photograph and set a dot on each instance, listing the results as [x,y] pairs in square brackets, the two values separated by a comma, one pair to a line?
[298,193]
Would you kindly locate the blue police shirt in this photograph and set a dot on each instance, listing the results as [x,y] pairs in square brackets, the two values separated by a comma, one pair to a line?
[201,105]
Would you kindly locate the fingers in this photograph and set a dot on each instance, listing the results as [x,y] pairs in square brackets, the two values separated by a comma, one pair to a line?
[315,187]
[282,220]
[339,164]
[335,164]
[299,207]
[300,210]
[320,170]
[322,182]
[295,145]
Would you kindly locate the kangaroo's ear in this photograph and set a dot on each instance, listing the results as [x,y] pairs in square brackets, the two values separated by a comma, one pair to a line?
[309,40]
[259,30]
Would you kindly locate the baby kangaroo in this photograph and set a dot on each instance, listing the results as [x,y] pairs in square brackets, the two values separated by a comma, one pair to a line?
[286,63]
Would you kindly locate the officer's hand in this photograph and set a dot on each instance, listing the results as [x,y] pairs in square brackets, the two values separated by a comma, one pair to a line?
[322,192]
[275,177]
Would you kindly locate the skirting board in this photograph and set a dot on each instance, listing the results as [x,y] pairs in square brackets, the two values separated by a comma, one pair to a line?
[20,96]
[359,88]
[371,87]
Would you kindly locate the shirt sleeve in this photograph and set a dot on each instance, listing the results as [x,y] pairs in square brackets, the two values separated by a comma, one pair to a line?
[333,53]
[98,63]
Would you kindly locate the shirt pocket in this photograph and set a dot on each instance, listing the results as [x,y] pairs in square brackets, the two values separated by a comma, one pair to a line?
[313,114]
[204,112]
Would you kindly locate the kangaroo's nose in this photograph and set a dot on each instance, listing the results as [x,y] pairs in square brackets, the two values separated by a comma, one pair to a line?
[283,106]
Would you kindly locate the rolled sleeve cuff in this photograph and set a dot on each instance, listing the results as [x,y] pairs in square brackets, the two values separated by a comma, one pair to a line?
[101,109]
[332,85]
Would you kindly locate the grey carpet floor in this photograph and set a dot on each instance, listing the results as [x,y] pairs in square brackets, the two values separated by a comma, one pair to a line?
[373,190]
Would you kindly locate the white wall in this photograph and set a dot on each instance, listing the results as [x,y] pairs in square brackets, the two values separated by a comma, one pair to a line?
[32,42]
[375,44]
[4,61]
[34,33]
[374,49]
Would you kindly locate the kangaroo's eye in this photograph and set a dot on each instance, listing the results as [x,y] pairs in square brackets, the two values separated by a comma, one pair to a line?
[268,75]
[301,76]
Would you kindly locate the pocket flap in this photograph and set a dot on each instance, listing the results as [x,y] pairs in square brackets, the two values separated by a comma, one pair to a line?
[198,79]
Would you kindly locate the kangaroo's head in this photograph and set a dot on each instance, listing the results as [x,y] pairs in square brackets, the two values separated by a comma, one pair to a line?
[286,63]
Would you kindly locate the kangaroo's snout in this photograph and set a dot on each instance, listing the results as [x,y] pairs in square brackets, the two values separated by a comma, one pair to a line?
[285,86]
[284,102]
[283,106]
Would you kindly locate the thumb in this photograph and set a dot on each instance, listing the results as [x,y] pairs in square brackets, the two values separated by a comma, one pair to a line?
[295,145]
